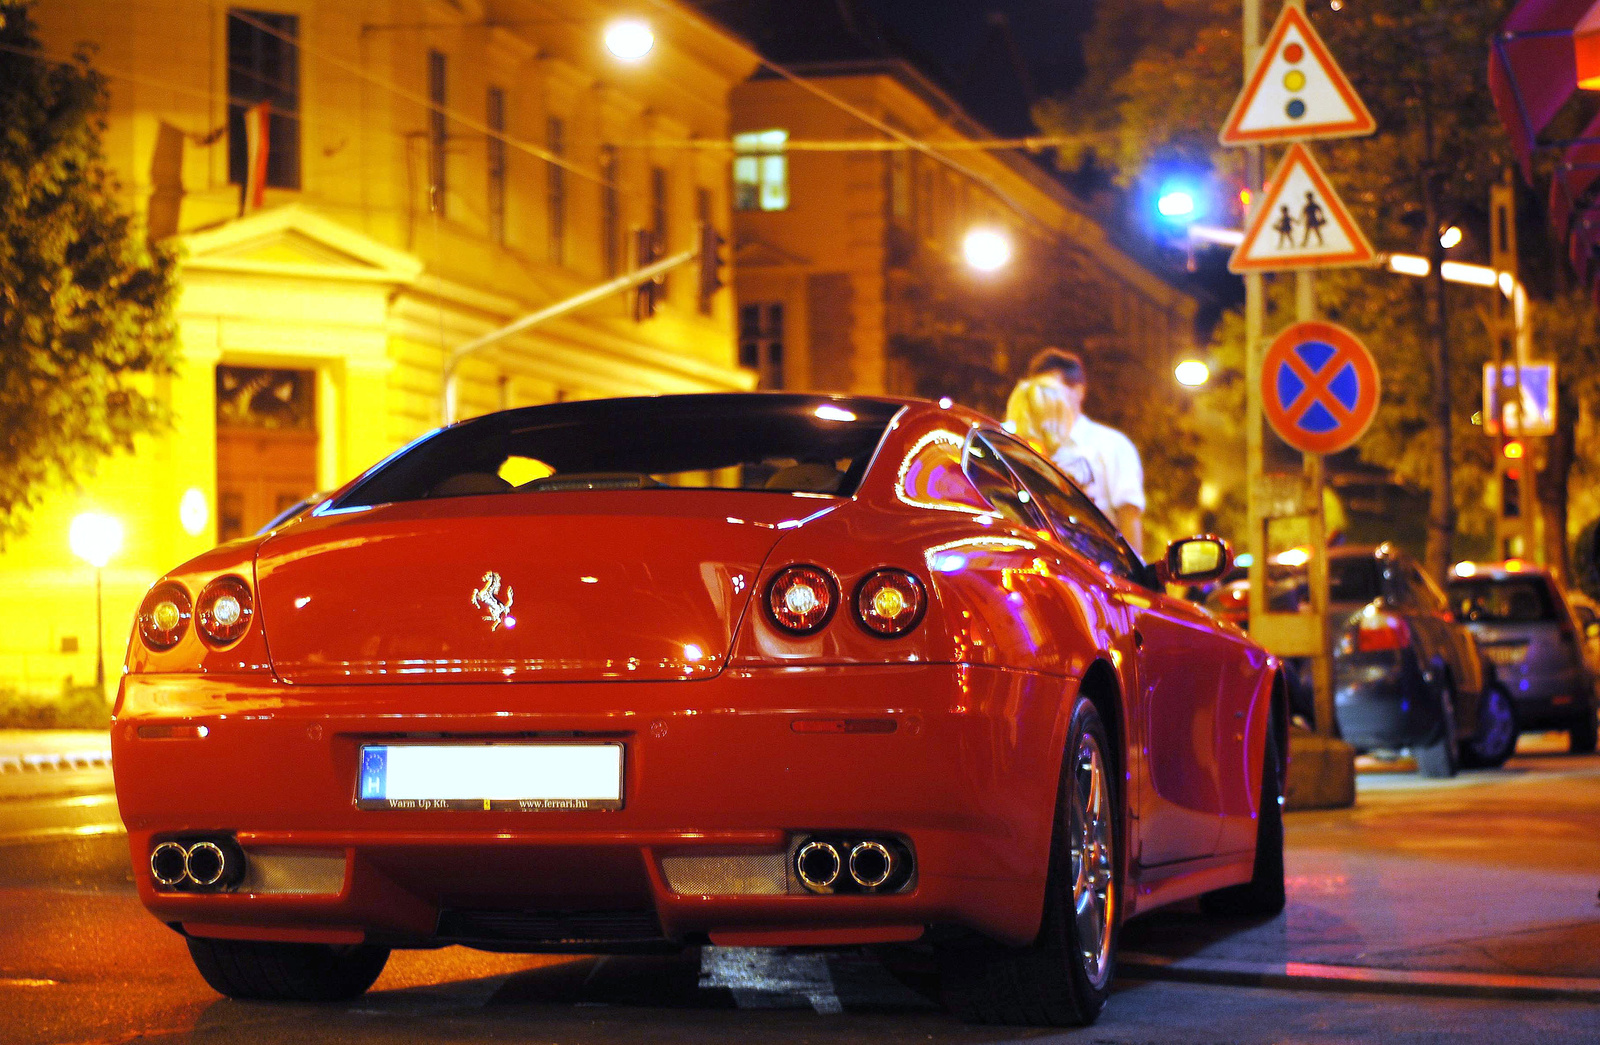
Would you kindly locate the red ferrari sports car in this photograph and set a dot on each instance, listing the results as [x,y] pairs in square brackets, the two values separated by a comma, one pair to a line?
[642,674]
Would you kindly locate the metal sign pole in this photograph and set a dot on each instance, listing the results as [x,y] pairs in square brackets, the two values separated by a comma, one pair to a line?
[1254,314]
[1317,566]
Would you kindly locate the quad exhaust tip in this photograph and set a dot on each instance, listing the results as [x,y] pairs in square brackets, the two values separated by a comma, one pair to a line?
[859,865]
[206,864]
[818,864]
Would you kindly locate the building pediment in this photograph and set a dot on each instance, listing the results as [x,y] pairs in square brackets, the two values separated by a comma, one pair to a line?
[296,242]
[758,253]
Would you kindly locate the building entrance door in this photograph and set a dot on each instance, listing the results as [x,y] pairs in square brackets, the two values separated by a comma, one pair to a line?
[266,445]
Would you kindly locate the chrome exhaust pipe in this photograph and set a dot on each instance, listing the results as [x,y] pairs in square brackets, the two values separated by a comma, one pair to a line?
[206,863]
[871,864]
[169,863]
[818,864]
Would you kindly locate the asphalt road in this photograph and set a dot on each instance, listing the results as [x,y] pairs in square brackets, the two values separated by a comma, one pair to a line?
[1490,879]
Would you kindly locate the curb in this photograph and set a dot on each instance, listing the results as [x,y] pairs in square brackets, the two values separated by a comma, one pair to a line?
[1306,976]
[55,761]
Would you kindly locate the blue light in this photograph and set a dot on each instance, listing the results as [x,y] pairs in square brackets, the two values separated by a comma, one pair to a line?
[1176,204]
[1181,200]
[1244,560]
[950,563]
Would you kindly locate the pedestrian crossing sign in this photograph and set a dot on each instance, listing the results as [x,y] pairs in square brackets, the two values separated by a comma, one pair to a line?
[1301,223]
[1296,91]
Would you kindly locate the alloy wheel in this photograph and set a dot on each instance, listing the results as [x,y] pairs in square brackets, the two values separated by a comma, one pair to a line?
[1093,887]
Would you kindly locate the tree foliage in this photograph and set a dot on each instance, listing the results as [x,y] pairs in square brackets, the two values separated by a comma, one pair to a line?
[85,305]
[1163,74]
[971,338]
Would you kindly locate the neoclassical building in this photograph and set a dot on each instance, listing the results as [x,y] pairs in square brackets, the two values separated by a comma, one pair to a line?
[434,170]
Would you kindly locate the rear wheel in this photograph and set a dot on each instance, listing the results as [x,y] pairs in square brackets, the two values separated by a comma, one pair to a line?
[1581,737]
[259,971]
[1263,895]
[1438,757]
[1063,978]
[1496,737]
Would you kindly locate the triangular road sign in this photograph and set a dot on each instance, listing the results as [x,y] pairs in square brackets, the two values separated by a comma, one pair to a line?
[1301,223]
[1295,91]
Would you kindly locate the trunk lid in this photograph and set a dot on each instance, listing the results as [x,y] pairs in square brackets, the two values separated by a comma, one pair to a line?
[550,586]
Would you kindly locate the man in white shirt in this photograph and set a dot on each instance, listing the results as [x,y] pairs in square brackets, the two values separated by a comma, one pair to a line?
[1046,408]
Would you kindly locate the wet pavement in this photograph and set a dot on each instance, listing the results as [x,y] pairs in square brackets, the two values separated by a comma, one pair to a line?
[1483,884]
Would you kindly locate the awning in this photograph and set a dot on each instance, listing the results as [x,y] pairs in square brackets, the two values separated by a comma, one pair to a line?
[1533,69]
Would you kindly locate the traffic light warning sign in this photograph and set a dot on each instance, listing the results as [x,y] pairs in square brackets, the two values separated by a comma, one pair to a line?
[1301,223]
[1295,91]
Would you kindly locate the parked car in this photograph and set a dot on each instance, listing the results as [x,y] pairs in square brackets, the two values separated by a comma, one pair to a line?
[1407,677]
[1525,624]
[722,669]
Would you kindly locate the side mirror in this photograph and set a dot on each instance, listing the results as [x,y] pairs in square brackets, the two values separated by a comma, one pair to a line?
[1195,560]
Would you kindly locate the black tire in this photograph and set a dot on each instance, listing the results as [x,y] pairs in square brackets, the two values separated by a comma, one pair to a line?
[1263,895]
[1496,737]
[255,971]
[1048,983]
[1437,758]
[1582,735]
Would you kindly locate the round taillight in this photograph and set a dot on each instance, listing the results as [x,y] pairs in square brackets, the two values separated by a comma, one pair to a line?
[224,610]
[801,599]
[164,615]
[890,602]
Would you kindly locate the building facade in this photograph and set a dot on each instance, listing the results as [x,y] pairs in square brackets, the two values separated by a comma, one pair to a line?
[434,169]
[849,244]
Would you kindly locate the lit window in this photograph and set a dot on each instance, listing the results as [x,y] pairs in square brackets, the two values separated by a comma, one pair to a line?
[761,170]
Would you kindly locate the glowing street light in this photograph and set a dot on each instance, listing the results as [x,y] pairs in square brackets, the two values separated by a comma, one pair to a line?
[987,249]
[1450,237]
[1192,373]
[630,39]
[96,537]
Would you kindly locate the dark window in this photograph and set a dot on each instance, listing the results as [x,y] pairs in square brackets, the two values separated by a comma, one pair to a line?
[437,172]
[761,343]
[496,158]
[610,211]
[1076,521]
[997,485]
[1356,579]
[264,66]
[659,214]
[702,216]
[556,142]
[781,443]
[1521,600]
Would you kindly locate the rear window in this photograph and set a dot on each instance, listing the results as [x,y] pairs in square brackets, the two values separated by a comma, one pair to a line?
[779,444]
[1356,579]
[1514,600]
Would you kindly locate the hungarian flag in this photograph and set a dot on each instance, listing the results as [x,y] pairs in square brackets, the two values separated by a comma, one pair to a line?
[256,143]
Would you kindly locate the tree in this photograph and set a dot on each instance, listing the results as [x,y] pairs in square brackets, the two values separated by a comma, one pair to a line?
[1163,74]
[971,339]
[85,305]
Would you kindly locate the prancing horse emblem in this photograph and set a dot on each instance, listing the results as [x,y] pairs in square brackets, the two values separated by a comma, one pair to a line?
[487,598]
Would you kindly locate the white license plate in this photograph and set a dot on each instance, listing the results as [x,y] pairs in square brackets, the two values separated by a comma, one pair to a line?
[1507,656]
[490,776]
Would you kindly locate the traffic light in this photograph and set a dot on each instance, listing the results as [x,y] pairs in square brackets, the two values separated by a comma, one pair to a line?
[647,295]
[711,243]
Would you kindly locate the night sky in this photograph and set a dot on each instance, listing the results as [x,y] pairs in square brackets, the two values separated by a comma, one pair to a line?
[994,56]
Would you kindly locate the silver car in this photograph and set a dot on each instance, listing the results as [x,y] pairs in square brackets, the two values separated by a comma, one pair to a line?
[1526,626]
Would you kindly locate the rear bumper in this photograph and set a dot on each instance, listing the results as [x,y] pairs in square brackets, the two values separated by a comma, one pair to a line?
[1549,700]
[1381,700]
[714,768]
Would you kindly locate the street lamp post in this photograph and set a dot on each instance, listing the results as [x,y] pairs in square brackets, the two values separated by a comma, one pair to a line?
[95,537]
